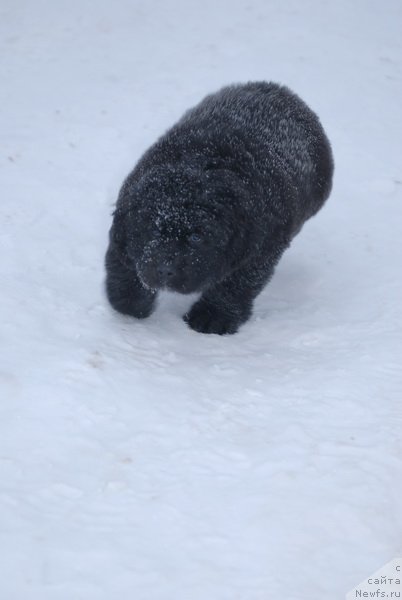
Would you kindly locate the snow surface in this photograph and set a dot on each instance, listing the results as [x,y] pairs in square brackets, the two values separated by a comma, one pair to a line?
[141,460]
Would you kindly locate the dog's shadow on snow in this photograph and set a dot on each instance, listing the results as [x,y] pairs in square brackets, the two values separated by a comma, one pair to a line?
[290,289]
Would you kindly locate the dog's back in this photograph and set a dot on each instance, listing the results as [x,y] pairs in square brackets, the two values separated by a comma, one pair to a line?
[280,132]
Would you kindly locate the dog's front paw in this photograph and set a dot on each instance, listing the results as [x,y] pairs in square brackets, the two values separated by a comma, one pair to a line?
[207,318]
[125,291]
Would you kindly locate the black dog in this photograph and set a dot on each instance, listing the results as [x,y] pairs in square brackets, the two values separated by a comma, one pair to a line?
[213,204]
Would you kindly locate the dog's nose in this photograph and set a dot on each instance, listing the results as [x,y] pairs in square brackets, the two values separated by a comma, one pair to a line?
[165,271]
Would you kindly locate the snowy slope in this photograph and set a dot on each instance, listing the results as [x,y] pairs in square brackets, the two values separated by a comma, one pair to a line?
[141,460]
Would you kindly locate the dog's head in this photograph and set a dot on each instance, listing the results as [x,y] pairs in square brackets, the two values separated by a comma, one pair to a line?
[183,229]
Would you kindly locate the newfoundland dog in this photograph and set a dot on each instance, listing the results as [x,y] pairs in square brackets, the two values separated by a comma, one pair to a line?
[213,204]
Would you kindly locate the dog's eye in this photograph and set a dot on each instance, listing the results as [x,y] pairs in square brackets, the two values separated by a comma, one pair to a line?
[194,238]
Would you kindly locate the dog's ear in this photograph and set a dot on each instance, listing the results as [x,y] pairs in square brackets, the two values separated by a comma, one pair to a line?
[118,235]
[117,232]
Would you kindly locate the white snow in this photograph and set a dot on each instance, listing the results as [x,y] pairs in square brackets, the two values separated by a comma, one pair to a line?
[141,460]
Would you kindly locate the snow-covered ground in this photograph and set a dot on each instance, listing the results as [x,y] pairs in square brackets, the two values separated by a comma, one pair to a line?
[141,460]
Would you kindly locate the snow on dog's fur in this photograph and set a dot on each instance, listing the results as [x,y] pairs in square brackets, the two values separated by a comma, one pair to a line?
[214,203]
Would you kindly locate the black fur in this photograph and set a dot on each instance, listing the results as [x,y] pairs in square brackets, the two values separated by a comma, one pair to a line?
[213,204]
